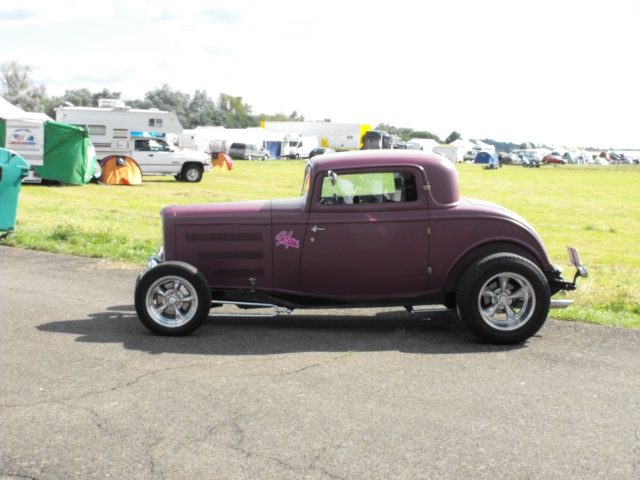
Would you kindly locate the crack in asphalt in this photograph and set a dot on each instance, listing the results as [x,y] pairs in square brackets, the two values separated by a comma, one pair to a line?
[168,369]
[103,424]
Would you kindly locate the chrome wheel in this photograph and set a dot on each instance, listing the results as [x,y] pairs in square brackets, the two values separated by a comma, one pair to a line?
[503,298]
[172,301]
[506,301]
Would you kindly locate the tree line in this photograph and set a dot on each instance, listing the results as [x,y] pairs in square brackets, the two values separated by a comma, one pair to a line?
[18,88]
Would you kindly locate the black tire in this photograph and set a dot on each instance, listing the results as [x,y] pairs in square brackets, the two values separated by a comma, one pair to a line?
[504,299]
[172,299]
[191,173]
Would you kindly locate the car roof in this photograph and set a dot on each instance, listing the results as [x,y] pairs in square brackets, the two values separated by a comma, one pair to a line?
[440,171]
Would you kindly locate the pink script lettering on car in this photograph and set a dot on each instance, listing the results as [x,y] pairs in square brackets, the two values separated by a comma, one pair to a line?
[286,239]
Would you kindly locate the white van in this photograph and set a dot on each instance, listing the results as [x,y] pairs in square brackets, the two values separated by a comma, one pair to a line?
[299,147]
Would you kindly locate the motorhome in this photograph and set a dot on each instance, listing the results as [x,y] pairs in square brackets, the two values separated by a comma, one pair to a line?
[117,129]
[298,147]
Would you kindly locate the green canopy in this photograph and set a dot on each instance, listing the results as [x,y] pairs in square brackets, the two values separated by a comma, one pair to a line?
[69,156]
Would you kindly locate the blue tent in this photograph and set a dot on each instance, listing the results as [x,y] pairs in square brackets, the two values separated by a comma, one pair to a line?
[490,158]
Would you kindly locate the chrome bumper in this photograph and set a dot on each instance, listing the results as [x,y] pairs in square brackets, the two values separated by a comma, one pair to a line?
[155,260]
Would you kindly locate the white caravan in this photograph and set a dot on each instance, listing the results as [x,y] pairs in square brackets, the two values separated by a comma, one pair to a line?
[298,147]
[117,129]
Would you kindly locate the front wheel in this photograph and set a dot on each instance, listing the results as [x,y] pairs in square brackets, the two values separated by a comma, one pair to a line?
[191,173]
[504,299]
[173,299]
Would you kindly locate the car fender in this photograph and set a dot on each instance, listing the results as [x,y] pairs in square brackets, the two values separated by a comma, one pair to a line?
[476,252]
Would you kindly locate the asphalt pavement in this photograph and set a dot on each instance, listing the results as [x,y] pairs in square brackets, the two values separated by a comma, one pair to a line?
[87,392]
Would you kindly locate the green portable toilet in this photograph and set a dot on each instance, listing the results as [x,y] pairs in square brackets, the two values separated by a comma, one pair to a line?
[12,169]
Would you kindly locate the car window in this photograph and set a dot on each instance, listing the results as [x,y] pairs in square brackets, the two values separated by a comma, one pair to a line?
[374,187]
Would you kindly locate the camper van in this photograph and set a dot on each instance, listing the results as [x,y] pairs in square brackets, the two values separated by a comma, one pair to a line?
[117,129]
[298,147]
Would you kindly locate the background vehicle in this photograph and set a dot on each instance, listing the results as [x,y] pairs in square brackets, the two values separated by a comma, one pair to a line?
[554,159]
[320,151]
[470,155]
[510,159]
[247,151]
[339,136]
[115,127]
[298,147]
[54,151]
[379,140]
[371,229]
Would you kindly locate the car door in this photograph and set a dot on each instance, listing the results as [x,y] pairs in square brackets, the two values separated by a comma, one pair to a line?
[366,236]
[156,157]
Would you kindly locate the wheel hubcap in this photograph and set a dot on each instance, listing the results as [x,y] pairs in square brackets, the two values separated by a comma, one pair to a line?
[172,301]
[506,301]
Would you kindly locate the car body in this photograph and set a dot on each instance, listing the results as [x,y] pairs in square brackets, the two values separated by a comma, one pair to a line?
[247,151]
[470,155]
[370,229]
[554,159]
[320,151]
[509,158]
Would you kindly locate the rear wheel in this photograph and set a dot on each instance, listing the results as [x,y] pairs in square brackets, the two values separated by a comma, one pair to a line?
[173,298]
[504,299]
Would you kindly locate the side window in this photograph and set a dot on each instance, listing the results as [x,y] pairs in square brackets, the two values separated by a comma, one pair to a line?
[374,187]
[142,145]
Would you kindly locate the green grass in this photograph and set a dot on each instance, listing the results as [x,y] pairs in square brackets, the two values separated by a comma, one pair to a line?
[596,209]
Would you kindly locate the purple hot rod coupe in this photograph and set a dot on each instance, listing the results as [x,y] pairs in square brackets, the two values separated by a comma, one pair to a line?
[370,229]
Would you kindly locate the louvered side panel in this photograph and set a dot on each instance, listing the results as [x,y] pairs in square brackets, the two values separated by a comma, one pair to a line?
[229,256]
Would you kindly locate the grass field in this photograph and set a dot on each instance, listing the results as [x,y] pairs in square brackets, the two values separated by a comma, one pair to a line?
[596,209]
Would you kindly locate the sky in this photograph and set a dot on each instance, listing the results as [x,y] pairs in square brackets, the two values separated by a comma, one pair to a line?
[553,72]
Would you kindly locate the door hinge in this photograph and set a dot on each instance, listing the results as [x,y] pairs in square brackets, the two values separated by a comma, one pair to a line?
[426,188]
[428,270]
[428,230]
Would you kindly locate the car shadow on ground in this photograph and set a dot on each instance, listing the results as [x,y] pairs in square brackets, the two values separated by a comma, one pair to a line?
[307,331]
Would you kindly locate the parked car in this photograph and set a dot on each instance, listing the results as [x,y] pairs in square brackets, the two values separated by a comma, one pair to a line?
[376,228]
[509,158]
[320,151]
[554,159]
[247,151]
[470,155]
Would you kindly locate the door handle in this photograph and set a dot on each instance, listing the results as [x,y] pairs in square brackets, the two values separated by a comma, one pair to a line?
[316,229]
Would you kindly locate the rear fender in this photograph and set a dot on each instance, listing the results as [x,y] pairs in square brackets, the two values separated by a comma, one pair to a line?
[455,273]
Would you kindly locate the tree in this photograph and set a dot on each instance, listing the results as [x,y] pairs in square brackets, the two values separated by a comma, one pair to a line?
[104,94]
[426,134]
[230,104]
[202,111]
[18,89]
[79,98]
[453,136]
[165,98]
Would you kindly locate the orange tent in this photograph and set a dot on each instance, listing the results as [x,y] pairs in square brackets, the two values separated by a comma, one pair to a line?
[120,170]
[221,161]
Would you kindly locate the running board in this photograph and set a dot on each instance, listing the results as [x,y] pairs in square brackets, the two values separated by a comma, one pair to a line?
[276,309]
[410,309]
